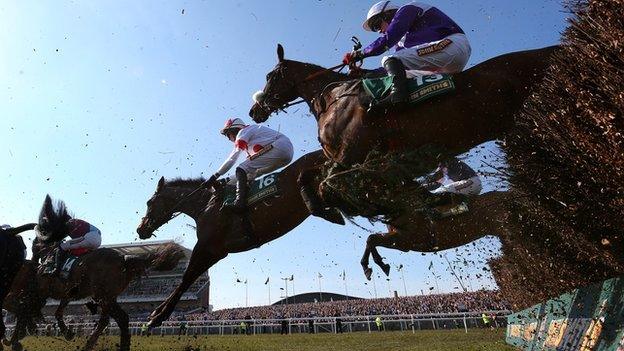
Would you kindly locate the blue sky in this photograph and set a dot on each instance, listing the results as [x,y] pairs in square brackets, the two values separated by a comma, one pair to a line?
[100,99]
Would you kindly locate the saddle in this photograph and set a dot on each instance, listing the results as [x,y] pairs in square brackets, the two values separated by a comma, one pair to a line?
[260,189]
[47,265]
[420,87]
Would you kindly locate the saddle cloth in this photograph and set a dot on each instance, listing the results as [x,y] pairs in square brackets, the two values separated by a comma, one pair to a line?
[47,267]
[420,88]
[260,189]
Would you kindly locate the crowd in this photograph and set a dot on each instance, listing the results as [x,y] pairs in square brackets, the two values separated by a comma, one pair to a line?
[483,300]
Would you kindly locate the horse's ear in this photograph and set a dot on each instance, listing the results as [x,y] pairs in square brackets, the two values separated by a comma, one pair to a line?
[161,183]
[280,52]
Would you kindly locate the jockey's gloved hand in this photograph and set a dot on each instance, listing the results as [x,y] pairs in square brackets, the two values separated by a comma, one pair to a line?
[352,57]
[211,181]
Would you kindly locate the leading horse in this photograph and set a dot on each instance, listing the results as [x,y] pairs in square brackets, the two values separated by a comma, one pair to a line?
[488,215]
[220,232]
[481,108]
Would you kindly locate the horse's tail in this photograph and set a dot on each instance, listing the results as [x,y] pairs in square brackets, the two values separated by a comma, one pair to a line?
[164,258]
[21,228]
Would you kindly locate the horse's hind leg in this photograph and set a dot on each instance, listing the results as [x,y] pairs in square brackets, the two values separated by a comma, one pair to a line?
[121,317]
[58,314]
[99,328]
[364,262]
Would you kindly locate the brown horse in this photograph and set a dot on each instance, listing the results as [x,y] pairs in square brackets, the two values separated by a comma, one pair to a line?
[102,274]
[482,107]
[220,232]
[12,256]
[488,215]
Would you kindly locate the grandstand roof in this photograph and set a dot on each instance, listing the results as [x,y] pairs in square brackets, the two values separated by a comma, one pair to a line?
[142,247]
[314,297]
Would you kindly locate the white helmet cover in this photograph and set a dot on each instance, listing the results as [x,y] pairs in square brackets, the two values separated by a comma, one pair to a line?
[376,9]
[233,123]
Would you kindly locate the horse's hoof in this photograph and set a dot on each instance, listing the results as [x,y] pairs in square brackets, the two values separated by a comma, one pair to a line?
[69,336]
[386,269]
[153,323]
[368,272]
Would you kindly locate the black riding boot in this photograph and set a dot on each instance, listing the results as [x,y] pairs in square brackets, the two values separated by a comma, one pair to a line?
[242,190]
[313,203]
[59,257]
[398,92]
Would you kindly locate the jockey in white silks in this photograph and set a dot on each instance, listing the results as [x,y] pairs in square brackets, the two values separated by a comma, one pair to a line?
[266,149]
[425,39]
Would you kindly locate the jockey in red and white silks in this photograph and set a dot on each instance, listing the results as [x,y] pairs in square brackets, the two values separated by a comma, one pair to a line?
[251,139]
[84,236]
[266,149]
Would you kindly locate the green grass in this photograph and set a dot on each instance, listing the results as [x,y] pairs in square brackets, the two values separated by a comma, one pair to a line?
[485,340]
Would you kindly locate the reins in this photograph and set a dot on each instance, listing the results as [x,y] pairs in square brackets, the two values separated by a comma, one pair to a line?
[312,76]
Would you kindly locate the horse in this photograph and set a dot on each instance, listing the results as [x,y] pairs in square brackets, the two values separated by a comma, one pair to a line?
[12,256]
[482,107]
[220,233]
[487,216]
[102,274]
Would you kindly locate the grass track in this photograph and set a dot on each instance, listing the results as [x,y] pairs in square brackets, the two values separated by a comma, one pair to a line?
[481,340]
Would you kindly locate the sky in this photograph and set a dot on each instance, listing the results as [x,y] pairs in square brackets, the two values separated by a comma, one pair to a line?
[98,100]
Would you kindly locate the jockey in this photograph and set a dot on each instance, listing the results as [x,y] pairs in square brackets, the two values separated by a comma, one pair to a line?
[55,223]
[464,179]
[85,237]
[267,150]
[424,38]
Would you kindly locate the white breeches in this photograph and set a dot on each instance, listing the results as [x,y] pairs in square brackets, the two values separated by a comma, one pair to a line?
[470,186]
[451,59]
[92,240]
[279,156]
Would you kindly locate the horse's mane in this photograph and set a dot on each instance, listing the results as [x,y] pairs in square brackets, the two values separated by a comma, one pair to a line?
[179,181]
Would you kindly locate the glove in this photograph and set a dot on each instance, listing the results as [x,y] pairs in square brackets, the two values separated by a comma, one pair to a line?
[352,56]
[64,246]
[210,182]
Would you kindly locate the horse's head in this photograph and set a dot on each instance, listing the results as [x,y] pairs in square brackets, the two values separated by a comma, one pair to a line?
[280,89]
[160,209]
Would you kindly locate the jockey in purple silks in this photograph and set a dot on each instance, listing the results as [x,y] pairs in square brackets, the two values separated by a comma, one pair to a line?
[424,38]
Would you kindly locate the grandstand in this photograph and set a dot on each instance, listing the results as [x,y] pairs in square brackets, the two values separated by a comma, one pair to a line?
[144,294]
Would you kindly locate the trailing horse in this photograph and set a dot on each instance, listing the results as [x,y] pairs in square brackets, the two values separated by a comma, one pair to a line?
[102,274]
[220,232]
[12,256]
[482,108]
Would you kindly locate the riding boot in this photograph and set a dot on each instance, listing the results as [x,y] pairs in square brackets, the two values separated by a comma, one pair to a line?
[398,92]
[242,190]
[59,257]
[313,203]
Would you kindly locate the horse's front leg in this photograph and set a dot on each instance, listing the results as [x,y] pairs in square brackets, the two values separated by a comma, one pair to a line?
[58,314]
[372,242]
[200,261]
[364,262]
[99,328]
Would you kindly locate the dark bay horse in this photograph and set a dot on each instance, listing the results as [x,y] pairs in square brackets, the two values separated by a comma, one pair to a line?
[488,215]
[482,107]
[12,256]
[102,274]
[219,232]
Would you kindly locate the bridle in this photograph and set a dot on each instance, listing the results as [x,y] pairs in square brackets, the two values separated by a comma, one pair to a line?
[357,45]
[268,108]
